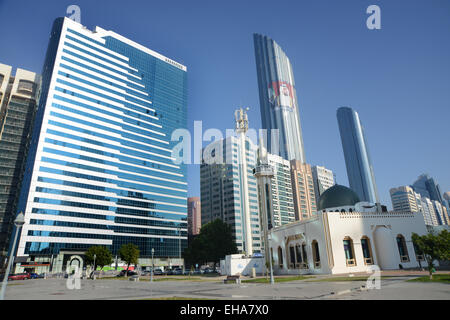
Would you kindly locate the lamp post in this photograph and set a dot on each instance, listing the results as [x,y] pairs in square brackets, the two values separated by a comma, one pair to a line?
[179,243]
[93,272]
[18,222]
[153,266]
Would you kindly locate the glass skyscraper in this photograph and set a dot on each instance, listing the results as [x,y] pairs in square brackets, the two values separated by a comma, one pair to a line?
[356,153]
[278,99]
[101,170]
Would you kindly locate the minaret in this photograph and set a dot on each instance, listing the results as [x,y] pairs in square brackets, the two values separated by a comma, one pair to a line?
[241,130]
[263,174]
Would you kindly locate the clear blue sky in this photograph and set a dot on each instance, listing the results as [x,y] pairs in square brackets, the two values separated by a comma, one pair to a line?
[397,78]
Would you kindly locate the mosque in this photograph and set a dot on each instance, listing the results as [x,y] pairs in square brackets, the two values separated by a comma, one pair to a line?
[345,236]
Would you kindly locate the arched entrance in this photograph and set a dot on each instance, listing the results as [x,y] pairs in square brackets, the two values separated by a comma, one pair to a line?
[385,248]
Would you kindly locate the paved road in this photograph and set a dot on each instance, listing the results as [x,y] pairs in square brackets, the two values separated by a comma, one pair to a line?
[53,289]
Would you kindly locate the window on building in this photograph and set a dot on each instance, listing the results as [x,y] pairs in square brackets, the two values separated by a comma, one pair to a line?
[291,257]
[298,253]
[280,257]
[402,249]
[315,252]
[367,250]
[349,252]
[26,86]
[304,254]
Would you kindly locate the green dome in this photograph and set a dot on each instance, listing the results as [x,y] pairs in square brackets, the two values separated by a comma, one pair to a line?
[337,196]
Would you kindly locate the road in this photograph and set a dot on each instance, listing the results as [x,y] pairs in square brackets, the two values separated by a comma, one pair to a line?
[100,289]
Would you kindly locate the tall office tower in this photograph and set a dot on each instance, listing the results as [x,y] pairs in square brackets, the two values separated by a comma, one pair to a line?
[427,187]
[323,179]
[101,170]
[356,153]
[281,191]
[305,203]
[18,100]
[222,190]
[278,100]
[194,216]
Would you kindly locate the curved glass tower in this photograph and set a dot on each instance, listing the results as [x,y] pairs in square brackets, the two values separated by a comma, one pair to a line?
[278,99]
[357,159]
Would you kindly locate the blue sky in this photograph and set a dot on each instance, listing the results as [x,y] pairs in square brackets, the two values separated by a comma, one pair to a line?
[397,78]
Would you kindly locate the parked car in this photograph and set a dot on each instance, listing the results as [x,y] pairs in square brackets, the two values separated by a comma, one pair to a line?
[123,273]
[19,276]
[177,271]
[37,276]
[158,272]
[169,272]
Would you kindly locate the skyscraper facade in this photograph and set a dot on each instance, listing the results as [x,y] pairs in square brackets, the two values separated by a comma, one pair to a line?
[101,170]
[323,179]
[222,190]
[18,101]
[356,153]
[194,216]
[278,100]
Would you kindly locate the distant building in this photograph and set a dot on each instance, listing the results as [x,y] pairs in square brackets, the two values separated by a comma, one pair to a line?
[427,187]
[305,203]
[429,212]
[194,216]
[356,153]
[282,193]
[18,103]
[405,199]
[323,179]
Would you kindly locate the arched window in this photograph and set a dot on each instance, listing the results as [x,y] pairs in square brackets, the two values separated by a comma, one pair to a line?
[315,253]
[305,256]
[349,252]
[402,249]
[343,210]
[298,253]
[280,257]
[367,250]
[291,257]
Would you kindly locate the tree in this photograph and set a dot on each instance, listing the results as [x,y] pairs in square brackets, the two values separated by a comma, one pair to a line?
[130,254]
[213,243]
[433,247]
[103,257]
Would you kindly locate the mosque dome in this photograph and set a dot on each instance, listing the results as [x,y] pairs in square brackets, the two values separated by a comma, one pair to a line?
[337,196]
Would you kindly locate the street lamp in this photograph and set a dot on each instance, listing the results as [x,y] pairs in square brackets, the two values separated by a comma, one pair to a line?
[153,266]
[19,222]
[179,243]
[93,272]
